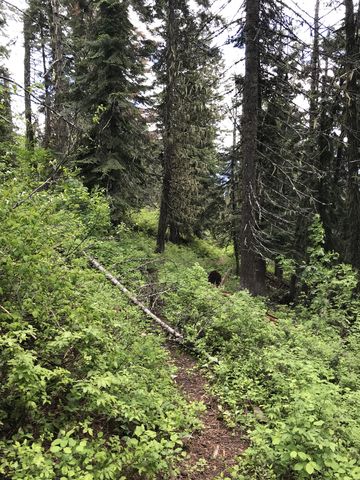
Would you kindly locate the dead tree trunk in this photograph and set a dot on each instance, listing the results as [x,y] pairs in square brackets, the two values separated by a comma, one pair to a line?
[177,335]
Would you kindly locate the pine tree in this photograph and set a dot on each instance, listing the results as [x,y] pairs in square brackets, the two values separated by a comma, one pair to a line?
[45,35]
[6,124]
[272,186]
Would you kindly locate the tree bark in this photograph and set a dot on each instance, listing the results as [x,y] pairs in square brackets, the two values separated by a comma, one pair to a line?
[279,272]
[234,188]
[29,128]
[6,123]
[60,127]
[165,207]
[251,267]
[303,220]
[352,65]
[315,72]
[47,84]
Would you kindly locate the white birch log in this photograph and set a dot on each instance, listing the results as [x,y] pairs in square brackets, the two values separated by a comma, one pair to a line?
[178,336]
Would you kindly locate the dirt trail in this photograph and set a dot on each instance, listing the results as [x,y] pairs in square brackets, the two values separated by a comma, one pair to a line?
[215,448]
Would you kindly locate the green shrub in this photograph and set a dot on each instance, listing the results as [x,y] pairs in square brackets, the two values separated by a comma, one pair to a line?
[146,220]
[279,382]
[86,389]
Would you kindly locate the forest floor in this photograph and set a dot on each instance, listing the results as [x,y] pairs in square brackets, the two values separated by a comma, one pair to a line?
[214,448]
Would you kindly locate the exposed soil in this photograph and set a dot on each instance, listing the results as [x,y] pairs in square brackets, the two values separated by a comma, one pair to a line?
[214,449]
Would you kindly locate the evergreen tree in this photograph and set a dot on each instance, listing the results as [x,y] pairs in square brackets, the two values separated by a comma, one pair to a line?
[273,168]
[109,95]
[352,49]
[188,68]
[6,124]
[47,60]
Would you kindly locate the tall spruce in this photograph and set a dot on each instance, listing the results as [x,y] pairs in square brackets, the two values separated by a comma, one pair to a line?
[46,61]
[60,132]
[168,111]
[109,95]
[187,70]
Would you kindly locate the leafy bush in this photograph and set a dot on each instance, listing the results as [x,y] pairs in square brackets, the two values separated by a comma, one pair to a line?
[293,385]
[279,381]
[146,220]
[86,390]
[329,286]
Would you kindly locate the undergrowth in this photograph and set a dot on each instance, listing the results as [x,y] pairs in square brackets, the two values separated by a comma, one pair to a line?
[86,390]
[291,386]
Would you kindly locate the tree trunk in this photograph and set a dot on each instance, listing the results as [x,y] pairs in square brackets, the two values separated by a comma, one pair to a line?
[59,130]
[279,272]
[164,211]
[29,133]
[251,268]
[304,218]
[315,72]
[352,51]
[174,236]
[234,188]
[165,207]
[6,123]
[47,84]
[177,335]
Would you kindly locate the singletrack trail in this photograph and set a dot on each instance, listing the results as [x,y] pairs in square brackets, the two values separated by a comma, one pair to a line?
[213,449]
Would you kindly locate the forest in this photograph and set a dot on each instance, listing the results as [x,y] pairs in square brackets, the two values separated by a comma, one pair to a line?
[180,240]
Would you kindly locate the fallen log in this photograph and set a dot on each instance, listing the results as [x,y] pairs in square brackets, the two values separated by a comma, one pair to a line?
[177,335]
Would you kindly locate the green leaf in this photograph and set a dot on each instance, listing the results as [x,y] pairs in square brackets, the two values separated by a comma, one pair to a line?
[276,440]
[139,430]
[310,468]
[55,448]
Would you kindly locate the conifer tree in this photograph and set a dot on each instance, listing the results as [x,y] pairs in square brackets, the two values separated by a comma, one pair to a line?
[352,49]
[46,61]
[6,124]
[273,168]
[188,113]
[109,95]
